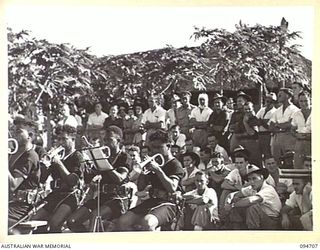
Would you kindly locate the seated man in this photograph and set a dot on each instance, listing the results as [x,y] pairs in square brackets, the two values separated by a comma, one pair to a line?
[190,163]
[217,172]
[177,138]
[215,147]
[114,198]
[67,174]
[24,178]
[203,203]
[256,206]
[157,210]
[297,212]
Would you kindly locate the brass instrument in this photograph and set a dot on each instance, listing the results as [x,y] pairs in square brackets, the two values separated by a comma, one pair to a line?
[15,148]
[149,159]
[59,151]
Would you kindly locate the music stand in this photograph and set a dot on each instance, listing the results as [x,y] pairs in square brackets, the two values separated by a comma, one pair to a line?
[98,224]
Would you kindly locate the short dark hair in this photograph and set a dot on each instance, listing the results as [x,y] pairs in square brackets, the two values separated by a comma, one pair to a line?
[175,126]
[160,135]
[116,130]
[70,130]
[305,93]
[201,173]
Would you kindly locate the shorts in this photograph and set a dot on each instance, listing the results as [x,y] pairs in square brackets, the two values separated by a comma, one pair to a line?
[17,210]
[56,199]
[117,206]
[164,211]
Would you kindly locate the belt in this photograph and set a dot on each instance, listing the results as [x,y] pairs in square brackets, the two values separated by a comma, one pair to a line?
[114,189]
[29,196]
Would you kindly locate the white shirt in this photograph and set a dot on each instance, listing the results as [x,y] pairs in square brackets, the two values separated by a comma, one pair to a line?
[234,177]
[201,116]
[95,119]
[295,201]
[186,176]
[71,121]
[171,117]
[303,126]
[223,152]
[271,203]
[263,115]
[158,115]
[181,141]
[280,117]
[211,195]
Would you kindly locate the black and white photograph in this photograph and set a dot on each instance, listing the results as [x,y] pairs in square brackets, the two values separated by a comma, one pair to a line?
[170,118]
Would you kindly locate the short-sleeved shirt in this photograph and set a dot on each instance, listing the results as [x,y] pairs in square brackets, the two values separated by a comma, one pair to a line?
[295,201]
[218,119]
[263,115]
[211,194]
[70,120]
[158,115]
[237,120]
[74,164]
[122,160]
[180,141]
[186,176]
[183,115]
[281,116]
[298,120]
[97,120]
[28,168]
[109,121]
[271,203]
[173,169]
[201,115]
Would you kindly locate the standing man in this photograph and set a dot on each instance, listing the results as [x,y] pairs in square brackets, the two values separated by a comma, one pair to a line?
[264,115]
[184,112]
[171,113]
[199,120]
[219,120]
[236,125]
[158,210]
[280,125]
[155,117]
[297,87]
[301,126]
[95,122]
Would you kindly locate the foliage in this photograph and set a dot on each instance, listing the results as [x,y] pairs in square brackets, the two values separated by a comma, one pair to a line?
[257,54]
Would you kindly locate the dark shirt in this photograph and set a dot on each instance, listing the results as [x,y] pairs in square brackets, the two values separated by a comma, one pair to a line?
[173,169]
[113,122]
[75,165]
[236,121]
[27,167]
[217,119]
[122,160]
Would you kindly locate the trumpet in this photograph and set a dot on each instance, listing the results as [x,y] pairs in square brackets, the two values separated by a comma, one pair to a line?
[144,164]
[15,148]
[60,151]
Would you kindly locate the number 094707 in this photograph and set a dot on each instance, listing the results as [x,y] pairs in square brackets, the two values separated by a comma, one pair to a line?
[308,246]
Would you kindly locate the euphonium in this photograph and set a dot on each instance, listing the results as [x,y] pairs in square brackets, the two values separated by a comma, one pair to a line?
[60,151]
[16,146]
[149,159]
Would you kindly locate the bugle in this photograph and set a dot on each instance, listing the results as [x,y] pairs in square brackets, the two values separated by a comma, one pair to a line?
[14,142]
[149,159]
[60,151]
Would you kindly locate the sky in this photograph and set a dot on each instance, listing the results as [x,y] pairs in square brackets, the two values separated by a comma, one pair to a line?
[121,30]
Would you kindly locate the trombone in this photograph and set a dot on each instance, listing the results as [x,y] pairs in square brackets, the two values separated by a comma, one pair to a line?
[144,164]
[14,142]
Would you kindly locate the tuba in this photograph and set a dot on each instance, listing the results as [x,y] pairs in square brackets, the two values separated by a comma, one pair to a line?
[13,146]
[144,164]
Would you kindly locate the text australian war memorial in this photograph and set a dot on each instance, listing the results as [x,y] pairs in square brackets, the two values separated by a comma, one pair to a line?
[212,137]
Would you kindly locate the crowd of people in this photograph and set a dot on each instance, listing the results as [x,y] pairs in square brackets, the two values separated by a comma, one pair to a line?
[217,165]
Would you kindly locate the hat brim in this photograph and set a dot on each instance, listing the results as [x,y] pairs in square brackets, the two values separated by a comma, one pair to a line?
[263,171]
[195,157]
[222,98]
